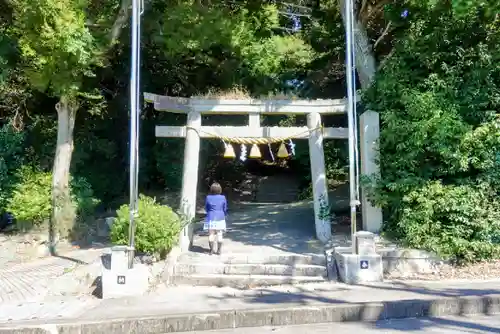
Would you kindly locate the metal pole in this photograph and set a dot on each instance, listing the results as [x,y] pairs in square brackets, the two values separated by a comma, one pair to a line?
[138,102]
[350,117]
[355,111]
[133,131]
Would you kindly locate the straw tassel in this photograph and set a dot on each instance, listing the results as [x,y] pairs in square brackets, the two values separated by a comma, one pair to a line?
[255,152]
[229,151]
[282,152]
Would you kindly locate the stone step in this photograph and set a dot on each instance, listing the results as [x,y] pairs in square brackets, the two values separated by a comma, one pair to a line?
[276,192]
[277,197]
[277,189]
[244,281]
[250,269]
[255,258]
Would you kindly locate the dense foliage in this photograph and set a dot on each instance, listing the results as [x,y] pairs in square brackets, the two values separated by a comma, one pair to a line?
[30,202]
[439,98]
[157,227]
[11,159]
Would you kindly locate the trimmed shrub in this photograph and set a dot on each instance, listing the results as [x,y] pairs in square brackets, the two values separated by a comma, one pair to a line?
[157,227]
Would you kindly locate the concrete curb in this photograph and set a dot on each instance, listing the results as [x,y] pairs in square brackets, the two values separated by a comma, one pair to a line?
[442,306]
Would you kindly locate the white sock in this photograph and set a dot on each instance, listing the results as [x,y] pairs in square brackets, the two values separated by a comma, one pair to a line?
[219,236]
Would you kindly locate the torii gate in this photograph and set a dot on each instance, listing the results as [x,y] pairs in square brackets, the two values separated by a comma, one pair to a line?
[194,130]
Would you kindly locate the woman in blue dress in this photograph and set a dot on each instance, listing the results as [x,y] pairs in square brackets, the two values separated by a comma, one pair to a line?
[215,223]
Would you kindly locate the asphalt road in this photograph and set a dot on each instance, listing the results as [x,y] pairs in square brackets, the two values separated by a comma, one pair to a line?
[445,325]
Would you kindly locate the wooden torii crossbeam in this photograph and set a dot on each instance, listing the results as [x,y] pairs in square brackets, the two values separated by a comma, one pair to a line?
[314,132]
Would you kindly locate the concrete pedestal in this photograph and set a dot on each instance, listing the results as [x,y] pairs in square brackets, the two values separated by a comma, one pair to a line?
[356,268]
[365,243]
[364,266]
[118,280]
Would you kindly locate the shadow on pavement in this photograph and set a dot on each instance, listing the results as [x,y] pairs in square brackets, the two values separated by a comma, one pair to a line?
[437,324]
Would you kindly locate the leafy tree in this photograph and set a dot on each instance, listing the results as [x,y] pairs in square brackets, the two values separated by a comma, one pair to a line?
[61,43]
[439,97]
[243,45]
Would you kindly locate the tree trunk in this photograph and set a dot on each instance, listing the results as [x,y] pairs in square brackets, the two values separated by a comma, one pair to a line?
[63,212]
[365,59]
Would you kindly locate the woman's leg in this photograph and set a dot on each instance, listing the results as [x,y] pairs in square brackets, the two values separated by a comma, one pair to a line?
[211,240]
[220,234]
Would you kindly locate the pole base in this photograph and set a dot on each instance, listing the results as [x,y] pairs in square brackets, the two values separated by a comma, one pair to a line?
[358,269]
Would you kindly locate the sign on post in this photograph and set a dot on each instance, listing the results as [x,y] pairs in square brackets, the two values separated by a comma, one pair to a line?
[120,280]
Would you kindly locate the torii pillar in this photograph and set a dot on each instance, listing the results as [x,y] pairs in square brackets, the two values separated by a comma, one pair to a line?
[318,176]
[369,130]
[190,178]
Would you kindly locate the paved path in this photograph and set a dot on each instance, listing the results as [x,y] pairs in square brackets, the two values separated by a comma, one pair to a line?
[178,300]
[185,300]
[444,325]
[271,228]
[31,281]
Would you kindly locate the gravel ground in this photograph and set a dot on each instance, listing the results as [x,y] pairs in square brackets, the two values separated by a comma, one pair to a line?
[22,248]
[475,271]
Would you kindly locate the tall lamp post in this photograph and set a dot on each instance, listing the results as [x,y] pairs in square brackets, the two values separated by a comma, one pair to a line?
[137,10]
[352,117]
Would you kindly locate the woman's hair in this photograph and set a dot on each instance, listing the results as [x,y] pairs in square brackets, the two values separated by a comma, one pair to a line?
[215,189]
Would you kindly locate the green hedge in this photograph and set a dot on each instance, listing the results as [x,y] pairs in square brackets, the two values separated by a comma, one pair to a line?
[157,227]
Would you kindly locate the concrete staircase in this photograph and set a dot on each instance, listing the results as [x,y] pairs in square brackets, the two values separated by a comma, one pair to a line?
[250,270]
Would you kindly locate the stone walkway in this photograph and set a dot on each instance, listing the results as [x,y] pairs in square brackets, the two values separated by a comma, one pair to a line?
[55,308]
[276,228]
[182,301]
[33,281]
